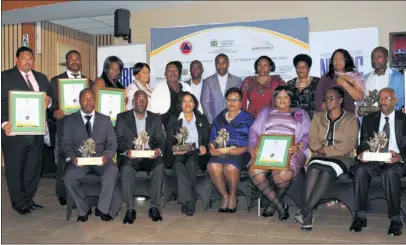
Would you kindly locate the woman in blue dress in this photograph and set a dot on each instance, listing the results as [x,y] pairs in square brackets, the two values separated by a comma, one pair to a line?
[224,168]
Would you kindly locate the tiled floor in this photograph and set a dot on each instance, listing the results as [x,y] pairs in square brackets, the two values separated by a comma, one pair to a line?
[50,226]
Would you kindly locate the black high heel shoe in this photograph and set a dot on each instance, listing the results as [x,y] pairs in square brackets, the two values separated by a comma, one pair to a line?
[285,214]
[268,211]
[234,209]
[223,210]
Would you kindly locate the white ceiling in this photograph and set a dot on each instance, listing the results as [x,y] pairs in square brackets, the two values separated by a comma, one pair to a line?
[94,17]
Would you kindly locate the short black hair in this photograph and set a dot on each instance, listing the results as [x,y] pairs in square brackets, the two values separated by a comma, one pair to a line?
[106,66]
[221,55]
[86,90]
[339,91]
[234,90]
[281,88]
[71,52]
[187,93]
[381,49]
[195,62]
[348,60]
[140,92]
[270,61]
[180,67]
[174,63]
[302,57]
[139,66]
[23,49]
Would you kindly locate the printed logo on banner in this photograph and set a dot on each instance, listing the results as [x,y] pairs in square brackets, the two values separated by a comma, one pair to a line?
[261,45]
[214,43]
[127,74]
[186,47]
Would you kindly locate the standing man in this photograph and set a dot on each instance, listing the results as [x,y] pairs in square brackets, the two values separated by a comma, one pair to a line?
[215,87]
[393,123]
[22,153]
[78,127]
[196,82]
[56,116]
[129,125]
[383,76]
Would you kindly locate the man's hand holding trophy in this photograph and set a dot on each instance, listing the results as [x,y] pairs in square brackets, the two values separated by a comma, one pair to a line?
[376,144]
[140,150]
[219,146]
[87,150]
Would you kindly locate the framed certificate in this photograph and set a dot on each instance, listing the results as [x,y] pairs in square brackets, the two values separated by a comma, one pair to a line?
[69,90]
[110,102]
[27,112]
[273,152]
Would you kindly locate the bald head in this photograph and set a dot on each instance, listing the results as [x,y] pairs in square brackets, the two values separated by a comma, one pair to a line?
[387,100]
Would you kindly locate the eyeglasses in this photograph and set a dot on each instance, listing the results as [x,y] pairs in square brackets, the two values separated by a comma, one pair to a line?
[387,98]
[331,98]
[232,100]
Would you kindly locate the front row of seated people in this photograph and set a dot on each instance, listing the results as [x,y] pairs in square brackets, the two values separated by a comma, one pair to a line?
[328,141]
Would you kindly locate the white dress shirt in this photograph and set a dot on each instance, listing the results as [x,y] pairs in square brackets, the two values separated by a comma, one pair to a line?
[91,119]
[223,82]
[374,81]
[393,146]
[196,90]
[71,76]
[192,129]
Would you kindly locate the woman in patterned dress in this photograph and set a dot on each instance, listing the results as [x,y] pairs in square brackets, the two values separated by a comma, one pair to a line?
[258,90]
[279,120]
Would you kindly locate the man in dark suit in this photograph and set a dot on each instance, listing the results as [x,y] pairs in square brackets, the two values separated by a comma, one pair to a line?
[393,123]
[129,125]
[77,128]
[23,153]
[56,117]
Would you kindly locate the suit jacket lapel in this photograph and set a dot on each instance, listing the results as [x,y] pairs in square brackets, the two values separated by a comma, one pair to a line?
[376,123]
[21,79]
[80,122]
[95,126]
[199,125]
[131,122]
[229,83]
[399,128]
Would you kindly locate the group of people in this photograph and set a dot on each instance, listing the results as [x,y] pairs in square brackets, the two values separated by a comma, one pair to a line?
[321,113]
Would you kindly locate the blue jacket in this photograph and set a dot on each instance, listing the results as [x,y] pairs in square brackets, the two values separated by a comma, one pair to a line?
[397,83]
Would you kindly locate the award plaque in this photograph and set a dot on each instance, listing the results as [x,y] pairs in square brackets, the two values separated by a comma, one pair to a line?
[87,149]
[369,104]
[376,143]
[181,138]
[139,144]
[221,140]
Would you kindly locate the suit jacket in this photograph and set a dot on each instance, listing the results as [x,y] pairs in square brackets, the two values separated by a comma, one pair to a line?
[370,124]
[126,130]
[53,92]
[74,133]
[212,99]
[175,124]
[13,80]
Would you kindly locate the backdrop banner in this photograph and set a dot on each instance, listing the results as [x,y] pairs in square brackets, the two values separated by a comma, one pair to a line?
[130,54]
[358,42]
[243,42]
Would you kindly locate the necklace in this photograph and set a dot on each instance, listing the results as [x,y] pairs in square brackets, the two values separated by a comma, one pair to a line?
[305,84]
[229,119]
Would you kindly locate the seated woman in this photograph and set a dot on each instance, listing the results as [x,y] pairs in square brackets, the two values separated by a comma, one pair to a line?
[279,120]
[303,86]
[333,138]
[225,168]
[186,163]
[342,74]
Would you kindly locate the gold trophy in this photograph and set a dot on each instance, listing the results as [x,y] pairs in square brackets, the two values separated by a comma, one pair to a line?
[181,138]
[87,149]
[369,104]
[139,146]
[376,144]
[220,143]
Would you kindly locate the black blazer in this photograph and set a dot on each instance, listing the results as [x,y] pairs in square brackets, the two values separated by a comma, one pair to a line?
[370,124]
[13,80]
[175,124]
[126,131]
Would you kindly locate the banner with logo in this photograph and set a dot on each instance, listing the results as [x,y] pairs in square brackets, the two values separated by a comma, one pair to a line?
[130,54]
[243,42]
[358,42]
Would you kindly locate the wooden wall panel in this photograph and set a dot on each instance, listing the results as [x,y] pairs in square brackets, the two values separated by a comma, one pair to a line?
[54,37]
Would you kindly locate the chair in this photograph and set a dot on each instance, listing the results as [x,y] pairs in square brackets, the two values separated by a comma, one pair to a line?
[91,186]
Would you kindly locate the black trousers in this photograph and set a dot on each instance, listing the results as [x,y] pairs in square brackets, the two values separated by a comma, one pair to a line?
[186,167]
[22,164]
[48,160]
[129,168]
[390,176]
[60,189]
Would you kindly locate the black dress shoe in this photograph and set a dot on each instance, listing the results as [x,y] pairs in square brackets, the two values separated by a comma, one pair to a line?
[34,206]
[268,211]
[84,218]
[130,216]
[103,216]
[190,209]
[22,210]
[395,228]
[358,224]
[183,209]
[285,214]
[154,214]
[62,201]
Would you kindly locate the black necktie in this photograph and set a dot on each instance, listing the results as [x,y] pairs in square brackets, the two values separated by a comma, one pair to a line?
[88,126]
[75,75]
[29,82]
[387,132]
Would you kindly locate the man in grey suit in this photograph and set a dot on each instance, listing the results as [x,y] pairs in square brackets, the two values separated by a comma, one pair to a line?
[79,126]
[129,125]
[215,87]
